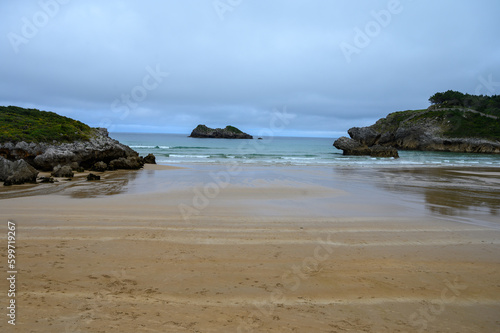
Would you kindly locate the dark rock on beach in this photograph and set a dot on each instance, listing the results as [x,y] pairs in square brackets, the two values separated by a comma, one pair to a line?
[92,177]
[129,163]
[63,171]
[230,132]
[150,159]
[99,166]
[17,172]
[46,180]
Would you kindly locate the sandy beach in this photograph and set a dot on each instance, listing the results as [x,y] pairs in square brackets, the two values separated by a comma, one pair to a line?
[257,249]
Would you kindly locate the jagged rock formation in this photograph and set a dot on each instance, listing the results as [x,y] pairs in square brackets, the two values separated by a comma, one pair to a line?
[230,132]
[353,147]
[453,130]
[46,156]
[17,172]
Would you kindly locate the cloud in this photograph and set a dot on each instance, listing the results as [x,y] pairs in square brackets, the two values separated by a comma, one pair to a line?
[238,65]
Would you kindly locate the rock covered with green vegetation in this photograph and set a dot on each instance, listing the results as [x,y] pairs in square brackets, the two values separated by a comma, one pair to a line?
[230,132]
[31,125]
[455,122]
[48,142]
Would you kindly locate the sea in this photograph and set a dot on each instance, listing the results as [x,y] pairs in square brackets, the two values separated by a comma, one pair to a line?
[179,149]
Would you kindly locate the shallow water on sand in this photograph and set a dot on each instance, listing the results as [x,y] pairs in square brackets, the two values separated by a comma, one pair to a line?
[468,195]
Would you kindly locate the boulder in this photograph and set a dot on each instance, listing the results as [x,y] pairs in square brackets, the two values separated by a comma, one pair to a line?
[130,163]
[150,159]
[92,177]
[74,165]
[99,166]
[46,180]
[17,172]
[63,171]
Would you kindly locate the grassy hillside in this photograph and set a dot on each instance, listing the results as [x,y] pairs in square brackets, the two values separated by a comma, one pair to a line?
[31,125]
[453,123]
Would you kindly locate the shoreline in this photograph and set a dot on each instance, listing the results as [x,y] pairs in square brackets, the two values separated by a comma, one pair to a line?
[273,249]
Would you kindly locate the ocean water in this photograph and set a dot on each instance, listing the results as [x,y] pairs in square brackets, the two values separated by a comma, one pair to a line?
[181,149]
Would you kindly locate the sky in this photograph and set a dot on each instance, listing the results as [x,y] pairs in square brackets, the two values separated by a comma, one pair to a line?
[285,67]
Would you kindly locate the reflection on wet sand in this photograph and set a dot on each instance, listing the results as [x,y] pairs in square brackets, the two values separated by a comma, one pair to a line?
[111,183]
[116,183]
[447,191]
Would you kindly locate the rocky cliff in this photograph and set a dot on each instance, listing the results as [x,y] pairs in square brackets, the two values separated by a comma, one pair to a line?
[45,156]
[454,130]
[31,139]
[230,132]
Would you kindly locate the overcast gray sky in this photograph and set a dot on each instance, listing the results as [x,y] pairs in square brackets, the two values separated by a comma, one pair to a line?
[166,66]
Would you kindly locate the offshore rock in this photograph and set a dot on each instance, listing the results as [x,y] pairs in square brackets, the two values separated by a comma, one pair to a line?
[353,147]
[230,132]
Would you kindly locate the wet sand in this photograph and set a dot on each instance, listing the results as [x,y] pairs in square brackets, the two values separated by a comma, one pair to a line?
[259,249]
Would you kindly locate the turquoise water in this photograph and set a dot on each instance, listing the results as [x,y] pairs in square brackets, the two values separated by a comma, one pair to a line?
[180,149]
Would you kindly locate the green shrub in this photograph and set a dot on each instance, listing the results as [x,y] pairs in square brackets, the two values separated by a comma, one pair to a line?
[32,125]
